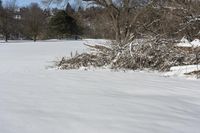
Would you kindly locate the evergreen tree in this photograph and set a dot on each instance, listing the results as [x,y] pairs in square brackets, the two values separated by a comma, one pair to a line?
[64,25]
[69,8]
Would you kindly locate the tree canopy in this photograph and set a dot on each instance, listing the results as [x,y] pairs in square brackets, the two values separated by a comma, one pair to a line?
[63,24]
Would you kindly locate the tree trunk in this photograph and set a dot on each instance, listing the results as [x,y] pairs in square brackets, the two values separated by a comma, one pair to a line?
[35,38]
[6,38]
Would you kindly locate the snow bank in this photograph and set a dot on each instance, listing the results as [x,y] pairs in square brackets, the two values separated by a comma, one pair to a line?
[196,43]
[185,43]
[182,70]
[34,99]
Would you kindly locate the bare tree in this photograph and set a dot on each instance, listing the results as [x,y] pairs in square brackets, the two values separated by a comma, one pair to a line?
[1,11]
[7,19]
[34,20]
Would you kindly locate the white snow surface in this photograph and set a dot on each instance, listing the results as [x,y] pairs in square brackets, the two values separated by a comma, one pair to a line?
[34,99]
[180,71]
[185,43]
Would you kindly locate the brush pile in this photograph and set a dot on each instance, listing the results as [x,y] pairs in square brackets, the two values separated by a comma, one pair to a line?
[155,54]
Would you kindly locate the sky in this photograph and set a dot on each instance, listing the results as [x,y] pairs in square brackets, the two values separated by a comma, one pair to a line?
[74,3]
[23,2]
[27,2]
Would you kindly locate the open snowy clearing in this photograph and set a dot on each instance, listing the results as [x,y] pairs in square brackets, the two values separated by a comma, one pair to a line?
[34,99]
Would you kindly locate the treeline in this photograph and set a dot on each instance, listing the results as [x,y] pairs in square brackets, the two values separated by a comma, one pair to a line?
[33,22]
[127,20]
[123,21]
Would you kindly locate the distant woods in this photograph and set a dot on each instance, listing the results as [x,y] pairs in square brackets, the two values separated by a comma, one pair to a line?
[121,20]
[126,20]
[33,22]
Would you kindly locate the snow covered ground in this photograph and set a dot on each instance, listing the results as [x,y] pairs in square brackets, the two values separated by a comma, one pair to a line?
[34,99]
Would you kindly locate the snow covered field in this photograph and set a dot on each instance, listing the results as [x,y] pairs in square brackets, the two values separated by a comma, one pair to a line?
[34,99]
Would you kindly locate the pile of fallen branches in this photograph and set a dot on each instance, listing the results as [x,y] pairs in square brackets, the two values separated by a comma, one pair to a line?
[155,54]
[99,56]
[194,73]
